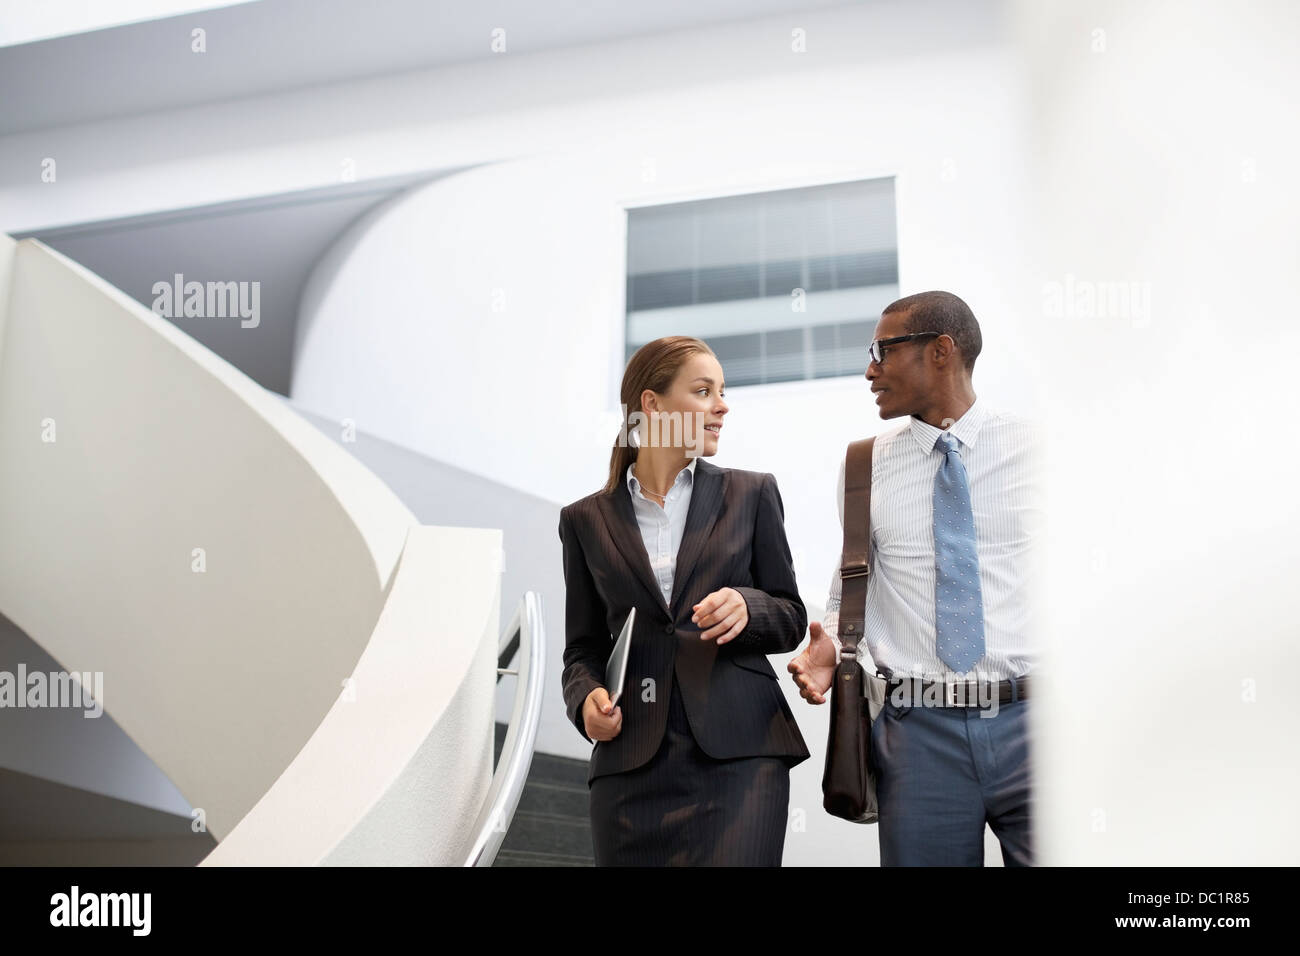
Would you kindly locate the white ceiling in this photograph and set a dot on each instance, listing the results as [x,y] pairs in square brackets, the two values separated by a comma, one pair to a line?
[25,21]
[273,240]
[277,45]
[268,47]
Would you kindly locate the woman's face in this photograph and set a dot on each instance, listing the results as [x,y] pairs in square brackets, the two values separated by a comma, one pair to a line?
[690,415]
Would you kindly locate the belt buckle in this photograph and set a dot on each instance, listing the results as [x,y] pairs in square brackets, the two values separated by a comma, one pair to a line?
[950,694]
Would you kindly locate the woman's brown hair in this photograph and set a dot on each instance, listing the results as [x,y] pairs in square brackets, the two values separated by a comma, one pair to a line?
[654,366]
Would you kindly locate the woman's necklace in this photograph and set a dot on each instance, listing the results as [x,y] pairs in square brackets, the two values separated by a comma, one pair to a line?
[662,499]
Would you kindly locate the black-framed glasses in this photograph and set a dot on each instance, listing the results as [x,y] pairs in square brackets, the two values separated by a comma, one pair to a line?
[877,349]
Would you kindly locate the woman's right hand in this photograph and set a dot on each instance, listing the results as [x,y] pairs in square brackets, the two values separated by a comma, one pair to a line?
[601,721]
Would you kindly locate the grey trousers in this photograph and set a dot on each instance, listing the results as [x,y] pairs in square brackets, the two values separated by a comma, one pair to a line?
[942,773]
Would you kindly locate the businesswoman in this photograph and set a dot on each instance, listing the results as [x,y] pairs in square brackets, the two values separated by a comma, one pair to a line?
[692,766]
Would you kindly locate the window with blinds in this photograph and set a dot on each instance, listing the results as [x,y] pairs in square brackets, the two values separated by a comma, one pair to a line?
[782,285]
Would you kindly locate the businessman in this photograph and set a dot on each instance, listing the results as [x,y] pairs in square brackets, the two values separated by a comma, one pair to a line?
[955,513]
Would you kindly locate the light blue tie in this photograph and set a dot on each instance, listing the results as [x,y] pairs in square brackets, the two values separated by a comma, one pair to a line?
[959,608]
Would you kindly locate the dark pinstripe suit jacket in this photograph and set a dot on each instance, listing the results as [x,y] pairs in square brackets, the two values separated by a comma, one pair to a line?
[734,537]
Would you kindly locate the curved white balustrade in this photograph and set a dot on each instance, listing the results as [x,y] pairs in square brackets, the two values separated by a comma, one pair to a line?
[402,763]
[167,522]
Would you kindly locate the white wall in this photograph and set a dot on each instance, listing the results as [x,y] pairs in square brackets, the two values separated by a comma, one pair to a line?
[1167,146]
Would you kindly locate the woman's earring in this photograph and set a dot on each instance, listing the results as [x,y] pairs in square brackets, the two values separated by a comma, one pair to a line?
[634,438]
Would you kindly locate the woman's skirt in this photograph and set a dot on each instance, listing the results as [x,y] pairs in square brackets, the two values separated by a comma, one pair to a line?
[685,808]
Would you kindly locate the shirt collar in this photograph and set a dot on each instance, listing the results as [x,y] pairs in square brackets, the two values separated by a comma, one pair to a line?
[688,471]
[964,429]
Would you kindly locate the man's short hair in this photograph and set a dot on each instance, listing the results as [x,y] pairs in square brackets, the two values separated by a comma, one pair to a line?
[945,313]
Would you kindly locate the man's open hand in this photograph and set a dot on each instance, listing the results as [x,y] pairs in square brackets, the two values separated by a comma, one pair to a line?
[814,669]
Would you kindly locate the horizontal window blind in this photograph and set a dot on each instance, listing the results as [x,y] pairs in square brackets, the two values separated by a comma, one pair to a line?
[783,285]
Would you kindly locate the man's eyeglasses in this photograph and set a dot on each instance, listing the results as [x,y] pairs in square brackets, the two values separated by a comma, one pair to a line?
[877,349]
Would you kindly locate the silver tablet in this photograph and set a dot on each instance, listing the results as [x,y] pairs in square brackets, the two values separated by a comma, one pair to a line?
[616,668]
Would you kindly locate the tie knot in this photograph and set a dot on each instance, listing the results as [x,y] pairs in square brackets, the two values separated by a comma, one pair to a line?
[945,443]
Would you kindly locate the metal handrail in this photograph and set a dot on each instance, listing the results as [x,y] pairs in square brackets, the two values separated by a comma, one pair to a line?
[527,631]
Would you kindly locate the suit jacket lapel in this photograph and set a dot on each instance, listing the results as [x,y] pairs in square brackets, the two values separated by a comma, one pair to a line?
[706,502]
[620,520]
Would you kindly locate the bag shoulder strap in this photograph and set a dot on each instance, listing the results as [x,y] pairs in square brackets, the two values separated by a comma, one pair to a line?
[855,562]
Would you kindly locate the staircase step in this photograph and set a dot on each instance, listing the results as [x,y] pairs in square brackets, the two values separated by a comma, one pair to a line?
[556,799]
[548,767]
[549,833]
[552,824]
[561,770]
[524,858]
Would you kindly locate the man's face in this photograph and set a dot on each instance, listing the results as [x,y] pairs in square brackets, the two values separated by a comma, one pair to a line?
[903,379]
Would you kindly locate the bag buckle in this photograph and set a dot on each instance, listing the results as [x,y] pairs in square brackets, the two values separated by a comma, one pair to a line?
[854,570]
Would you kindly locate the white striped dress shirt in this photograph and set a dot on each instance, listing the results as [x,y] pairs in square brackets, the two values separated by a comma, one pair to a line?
[662,527]
[1002,456]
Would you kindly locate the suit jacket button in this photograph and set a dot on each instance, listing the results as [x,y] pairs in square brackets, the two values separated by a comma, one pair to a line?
[668,629]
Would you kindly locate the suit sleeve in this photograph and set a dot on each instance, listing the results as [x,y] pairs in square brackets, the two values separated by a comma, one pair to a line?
[777,616]
[586,642]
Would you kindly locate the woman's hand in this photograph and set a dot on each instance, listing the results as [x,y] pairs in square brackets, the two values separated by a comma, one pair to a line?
[602,721]
[724,613]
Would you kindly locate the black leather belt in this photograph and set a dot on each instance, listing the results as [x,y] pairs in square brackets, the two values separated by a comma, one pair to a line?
[961,694]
